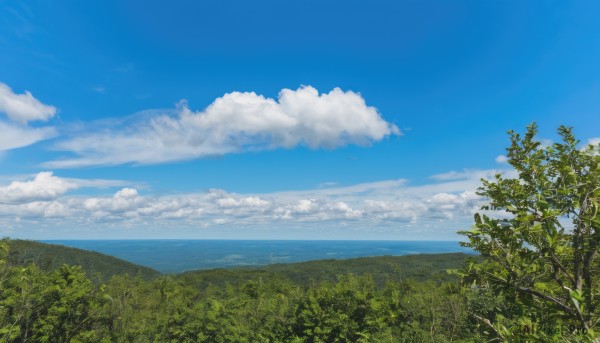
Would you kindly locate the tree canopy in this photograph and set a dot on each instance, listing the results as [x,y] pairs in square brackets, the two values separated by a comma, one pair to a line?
[539,234]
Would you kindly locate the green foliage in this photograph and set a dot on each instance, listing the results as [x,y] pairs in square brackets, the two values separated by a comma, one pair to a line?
[62,306]
[427,311]
[381,268]
[344,312]
[72,308]
[539,281]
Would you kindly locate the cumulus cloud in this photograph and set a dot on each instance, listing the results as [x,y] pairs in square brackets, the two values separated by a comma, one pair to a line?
[394,210]
[45,186]
[23,108]
[316,210]
[42,209]
[123,201]
[449,206]
[234,123]
[230,202]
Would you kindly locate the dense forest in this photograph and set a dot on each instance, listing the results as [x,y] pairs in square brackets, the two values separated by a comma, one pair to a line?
[379,299]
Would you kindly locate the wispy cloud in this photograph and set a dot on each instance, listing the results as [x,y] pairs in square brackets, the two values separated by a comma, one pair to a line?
[99,89]
[23,108]
[234,123]
[125,68]
[501,159]
[466,174]
[17,136]
[19,110]
[21,20]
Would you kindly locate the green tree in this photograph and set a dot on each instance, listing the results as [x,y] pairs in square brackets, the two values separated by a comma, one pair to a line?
[342,312]
[540,234]
[71,310]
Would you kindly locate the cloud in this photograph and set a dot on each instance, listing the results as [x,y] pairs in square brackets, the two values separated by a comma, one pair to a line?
[501,159]
[593,141]
[545,143]
[44,186]
[390,210]
[466,174]
[101,183]
[438,208]
[99,89]
[316,210]
[13,136]
[125,200]
[42,209]
[20,109]
[234,123]
[23,108]
[229,202]
[448,206]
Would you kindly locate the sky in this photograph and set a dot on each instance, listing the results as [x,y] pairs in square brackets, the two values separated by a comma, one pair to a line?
[278,119]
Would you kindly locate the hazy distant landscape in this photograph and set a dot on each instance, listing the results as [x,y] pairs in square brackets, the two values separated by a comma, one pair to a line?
[176,256]
[383,269]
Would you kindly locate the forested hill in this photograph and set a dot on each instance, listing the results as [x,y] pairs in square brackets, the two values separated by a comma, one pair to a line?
[383,268]
[421,267]
[49,257]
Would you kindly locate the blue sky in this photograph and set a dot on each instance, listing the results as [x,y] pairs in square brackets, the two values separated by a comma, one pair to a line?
[277,119]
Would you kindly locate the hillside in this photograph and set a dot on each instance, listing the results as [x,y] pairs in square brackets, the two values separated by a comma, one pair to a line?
[51,256]
[383,268]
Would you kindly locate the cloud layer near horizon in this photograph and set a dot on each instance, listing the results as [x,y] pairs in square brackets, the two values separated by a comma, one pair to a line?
[236,122]
[441,205]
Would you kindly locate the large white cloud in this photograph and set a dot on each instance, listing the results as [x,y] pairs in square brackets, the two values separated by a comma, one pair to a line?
[235,122]
[23,108]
